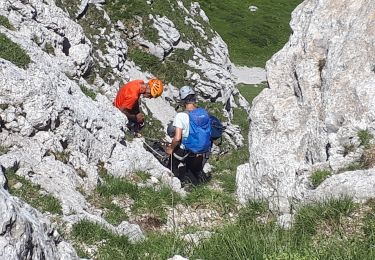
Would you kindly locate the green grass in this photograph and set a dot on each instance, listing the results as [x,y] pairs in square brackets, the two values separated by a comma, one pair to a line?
[146,199]
[111,246]
[5,22]
[353,167]
[210,198]
[30,193]
[125,11]
[12,52]
[249,92]
[365,137]
[88,92]
[318,177]
[248,238]
[309,216]
[172,70]
[252,37]
[153,128]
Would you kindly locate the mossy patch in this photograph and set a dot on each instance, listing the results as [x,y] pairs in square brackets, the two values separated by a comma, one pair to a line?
[12,52]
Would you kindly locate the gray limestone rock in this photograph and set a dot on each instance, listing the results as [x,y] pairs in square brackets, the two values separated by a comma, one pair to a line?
[26,233]
[321,93]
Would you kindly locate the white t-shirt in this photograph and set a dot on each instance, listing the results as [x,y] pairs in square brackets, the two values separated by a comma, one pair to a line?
[182,121]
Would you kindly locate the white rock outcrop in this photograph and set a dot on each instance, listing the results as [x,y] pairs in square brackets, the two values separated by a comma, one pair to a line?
[321,93]
[26,233]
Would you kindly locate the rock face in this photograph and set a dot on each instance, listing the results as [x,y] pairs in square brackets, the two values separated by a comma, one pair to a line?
[321,93]
[27,234]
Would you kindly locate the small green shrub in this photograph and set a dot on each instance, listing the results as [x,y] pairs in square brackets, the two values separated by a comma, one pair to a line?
[318,177]
[365,137]
[4,21]
[88,92]
[12,52]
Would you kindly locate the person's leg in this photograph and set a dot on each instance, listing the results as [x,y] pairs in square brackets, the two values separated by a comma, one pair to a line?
[194,168]
[173,165]
[175,160]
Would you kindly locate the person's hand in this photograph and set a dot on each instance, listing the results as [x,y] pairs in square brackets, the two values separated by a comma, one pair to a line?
[169,150]
[140,118]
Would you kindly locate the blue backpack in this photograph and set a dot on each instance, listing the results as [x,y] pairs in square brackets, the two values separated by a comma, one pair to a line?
[217,128]
[199,139]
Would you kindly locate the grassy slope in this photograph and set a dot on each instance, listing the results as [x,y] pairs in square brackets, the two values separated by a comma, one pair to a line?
[252,37]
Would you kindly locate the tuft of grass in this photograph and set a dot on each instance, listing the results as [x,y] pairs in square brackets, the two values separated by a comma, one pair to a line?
[31,193]
[308,217]
[365,137]
[3,150]
[88,92]
[4,21]
[348,148]
[12,52]
[252,37]
[318,177]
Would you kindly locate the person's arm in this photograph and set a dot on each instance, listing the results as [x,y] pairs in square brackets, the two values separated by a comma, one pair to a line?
[175,141]
[133,115]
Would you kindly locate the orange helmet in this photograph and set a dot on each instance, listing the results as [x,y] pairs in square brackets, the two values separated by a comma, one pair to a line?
[156,86]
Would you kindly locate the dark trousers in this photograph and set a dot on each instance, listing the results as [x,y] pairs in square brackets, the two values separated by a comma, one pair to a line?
[192,169]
